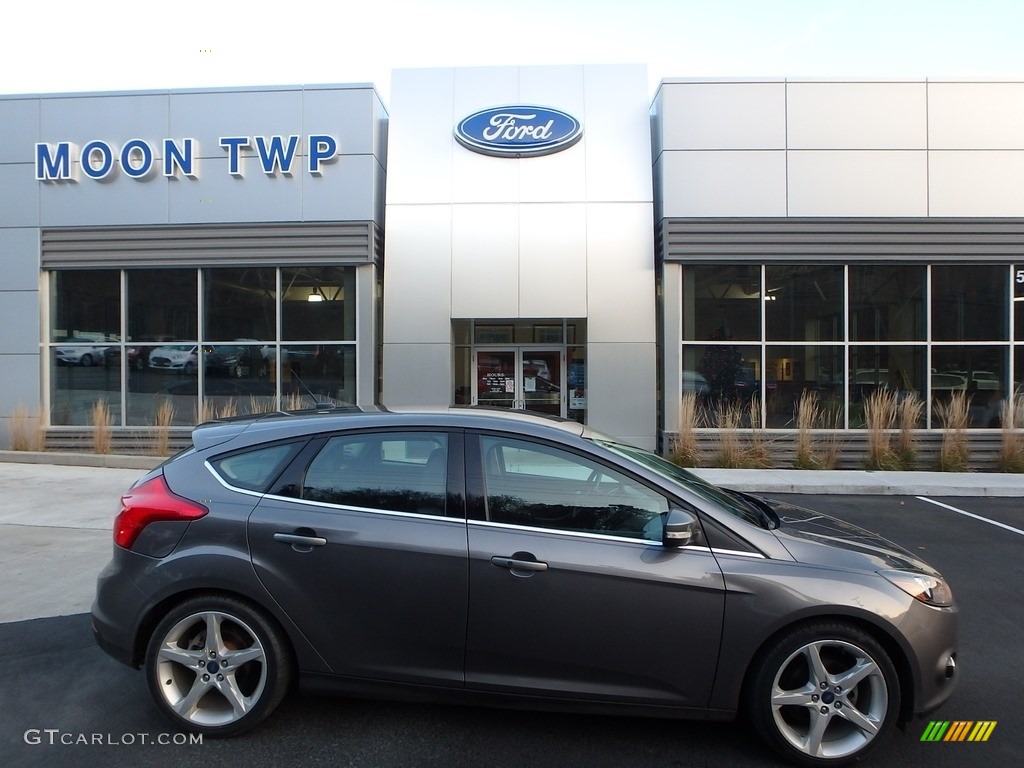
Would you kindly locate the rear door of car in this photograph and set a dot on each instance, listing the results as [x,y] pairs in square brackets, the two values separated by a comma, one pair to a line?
[571,592]
[363,543]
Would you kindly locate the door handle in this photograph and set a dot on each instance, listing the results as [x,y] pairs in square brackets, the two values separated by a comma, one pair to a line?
[515,564]
[300,543]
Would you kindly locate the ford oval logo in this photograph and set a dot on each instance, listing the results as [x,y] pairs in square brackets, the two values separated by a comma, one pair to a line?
[518,131]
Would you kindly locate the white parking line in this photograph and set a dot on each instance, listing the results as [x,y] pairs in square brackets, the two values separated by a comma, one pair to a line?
[971,514]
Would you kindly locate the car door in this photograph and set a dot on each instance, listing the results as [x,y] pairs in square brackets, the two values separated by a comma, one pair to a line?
[365,548]
[571,592]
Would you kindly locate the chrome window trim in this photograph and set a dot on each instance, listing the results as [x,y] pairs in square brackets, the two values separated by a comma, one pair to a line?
[327,505]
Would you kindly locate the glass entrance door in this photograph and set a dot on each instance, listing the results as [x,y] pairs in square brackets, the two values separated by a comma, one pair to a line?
[525,378]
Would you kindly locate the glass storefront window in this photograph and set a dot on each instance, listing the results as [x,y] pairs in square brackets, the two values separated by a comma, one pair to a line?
[720,374]
[792,369]
[980,371]
[887,302]
[1018,302]
[804,303]
[897,368]
[969,303]
[162,305]
[722,303]
[312,372]
[319,303]
[240,304]
[86,306]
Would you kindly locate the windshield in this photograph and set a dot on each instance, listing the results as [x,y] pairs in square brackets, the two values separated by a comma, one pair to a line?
[732,503]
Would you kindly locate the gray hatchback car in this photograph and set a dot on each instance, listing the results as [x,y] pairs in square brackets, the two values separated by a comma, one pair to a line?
[515,560]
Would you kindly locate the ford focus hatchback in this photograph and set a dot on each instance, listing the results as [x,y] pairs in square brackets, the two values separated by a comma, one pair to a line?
[509,559]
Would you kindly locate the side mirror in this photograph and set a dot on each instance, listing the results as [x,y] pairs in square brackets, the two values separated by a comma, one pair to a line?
[680,528]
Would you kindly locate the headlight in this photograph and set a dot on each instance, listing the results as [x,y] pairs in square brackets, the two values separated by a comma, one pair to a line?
[930,590]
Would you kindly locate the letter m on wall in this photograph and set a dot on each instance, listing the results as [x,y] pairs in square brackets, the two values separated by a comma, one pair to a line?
[53,162]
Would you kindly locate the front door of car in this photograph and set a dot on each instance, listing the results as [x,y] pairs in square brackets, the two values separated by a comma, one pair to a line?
[572,593]
[366,552]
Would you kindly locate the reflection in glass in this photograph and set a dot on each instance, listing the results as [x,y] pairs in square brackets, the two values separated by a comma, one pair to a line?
[76,387]
[804,303]
[240,304]
[162,305]
[720,374]
[979,371]
[900,369]
[86,305]
[319,304]
[722,302]
[317,372]
[887,302]
[791,370]
[969,303]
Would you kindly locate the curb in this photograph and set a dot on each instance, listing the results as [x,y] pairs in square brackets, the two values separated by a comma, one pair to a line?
[108,460]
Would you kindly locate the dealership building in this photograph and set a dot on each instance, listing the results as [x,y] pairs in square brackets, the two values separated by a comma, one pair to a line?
[523,237]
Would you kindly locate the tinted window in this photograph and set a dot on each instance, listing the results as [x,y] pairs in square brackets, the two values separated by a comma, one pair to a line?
[400,472]
[540,486]
[253,470]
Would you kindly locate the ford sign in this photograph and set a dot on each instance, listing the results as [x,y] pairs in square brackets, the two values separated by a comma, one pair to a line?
[518,131]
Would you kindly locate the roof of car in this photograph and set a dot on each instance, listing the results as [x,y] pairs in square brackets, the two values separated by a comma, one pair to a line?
[284,424]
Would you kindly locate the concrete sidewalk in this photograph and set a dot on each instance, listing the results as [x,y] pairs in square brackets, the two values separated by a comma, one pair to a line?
[56,519]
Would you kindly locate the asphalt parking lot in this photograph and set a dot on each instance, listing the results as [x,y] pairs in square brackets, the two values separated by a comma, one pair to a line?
[65,703]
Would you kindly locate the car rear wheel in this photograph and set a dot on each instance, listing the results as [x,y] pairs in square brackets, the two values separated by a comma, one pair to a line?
[216,666]
[824,694]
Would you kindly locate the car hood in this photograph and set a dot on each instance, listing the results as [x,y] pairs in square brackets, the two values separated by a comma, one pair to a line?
[819,539]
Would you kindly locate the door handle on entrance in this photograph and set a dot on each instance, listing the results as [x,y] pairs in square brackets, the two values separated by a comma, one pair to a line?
[515,564]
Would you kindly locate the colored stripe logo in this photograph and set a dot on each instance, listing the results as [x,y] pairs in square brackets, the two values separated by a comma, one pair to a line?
[958,730]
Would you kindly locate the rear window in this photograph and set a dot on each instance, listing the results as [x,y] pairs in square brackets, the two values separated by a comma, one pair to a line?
[254,469]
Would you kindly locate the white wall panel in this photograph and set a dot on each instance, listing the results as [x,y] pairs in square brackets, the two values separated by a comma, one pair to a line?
[419,152]
[485,261]
[617,134]
[561,177]
[19,195]
[858,183]
[349,114]
[857,116]
[977,183]
[114,119]
[976,115]
[620,272]
[417,274]
[417,375]
[22,374]
[19,319]
[553,260]
[20,117]
[723,184]
[217,196]
[480,178]
[343,192]
[19,254]
[724,115]
[620,390]
[210,115]
[120,200]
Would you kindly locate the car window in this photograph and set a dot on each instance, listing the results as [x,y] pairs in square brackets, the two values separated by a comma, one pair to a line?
[253,470]
[726,501]
[538,485]
[397,472]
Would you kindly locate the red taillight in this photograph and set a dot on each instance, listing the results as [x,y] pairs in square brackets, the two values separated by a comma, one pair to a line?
[151,502]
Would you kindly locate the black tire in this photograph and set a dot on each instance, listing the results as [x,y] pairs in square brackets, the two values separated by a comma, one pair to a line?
[86,360]
[825,693]
[222,688]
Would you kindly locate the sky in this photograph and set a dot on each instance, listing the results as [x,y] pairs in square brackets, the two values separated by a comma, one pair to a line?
[116,45]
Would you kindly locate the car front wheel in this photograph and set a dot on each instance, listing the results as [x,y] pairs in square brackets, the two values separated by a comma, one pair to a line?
[216,666]
[824,694]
